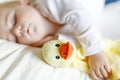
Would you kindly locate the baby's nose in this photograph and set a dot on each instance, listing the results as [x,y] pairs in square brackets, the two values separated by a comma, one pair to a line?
[17,31]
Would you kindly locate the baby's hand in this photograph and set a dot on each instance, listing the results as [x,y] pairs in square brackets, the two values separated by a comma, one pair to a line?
[99,66]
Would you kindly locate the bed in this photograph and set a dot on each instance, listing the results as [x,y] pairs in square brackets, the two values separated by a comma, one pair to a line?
[21,62]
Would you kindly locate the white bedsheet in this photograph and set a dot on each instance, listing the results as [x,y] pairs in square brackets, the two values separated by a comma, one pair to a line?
[19,62]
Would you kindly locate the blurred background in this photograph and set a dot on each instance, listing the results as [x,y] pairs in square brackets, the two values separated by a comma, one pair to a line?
[109,21]
[110,1]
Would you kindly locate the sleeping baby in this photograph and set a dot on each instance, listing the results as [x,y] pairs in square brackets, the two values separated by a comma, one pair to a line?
[36,22]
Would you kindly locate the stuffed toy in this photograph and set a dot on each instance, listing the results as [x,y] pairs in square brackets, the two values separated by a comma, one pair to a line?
[59,53]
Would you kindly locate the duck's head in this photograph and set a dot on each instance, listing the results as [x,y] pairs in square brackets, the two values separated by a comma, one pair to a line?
[58,53]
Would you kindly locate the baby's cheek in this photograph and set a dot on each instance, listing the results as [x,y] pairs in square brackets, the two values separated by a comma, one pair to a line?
[11,37]
[23,41]
[2,36]
[19,41]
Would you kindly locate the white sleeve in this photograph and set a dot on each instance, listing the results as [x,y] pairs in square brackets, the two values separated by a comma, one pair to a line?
[65,37]
[72,12]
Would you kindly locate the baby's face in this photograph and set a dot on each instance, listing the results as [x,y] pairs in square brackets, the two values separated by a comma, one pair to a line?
[20,23]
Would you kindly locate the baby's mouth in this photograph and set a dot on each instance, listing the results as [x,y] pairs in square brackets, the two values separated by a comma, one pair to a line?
[28,31]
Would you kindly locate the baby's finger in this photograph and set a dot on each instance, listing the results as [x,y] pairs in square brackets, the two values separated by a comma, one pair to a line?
[93,75]
[107,68]
[104,72]
[98,73]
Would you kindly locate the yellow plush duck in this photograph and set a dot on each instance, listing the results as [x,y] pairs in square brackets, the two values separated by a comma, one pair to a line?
[60,53]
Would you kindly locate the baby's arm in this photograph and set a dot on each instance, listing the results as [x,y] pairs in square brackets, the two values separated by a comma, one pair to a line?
[99,66]
[83,27]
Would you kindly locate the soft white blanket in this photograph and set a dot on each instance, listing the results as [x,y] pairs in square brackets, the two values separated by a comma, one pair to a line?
[20,62]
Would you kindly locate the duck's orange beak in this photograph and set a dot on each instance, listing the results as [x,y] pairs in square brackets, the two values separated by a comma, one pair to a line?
[66,50]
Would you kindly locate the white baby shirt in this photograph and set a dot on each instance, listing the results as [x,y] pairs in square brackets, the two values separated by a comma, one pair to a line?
[78,24]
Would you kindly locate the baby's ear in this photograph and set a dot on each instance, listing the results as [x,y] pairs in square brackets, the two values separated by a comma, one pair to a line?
[25,2]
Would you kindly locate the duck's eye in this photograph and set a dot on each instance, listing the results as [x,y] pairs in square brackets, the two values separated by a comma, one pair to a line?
[57,45]
[57,57]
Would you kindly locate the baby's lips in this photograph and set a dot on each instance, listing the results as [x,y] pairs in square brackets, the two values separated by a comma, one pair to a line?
[28,31]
